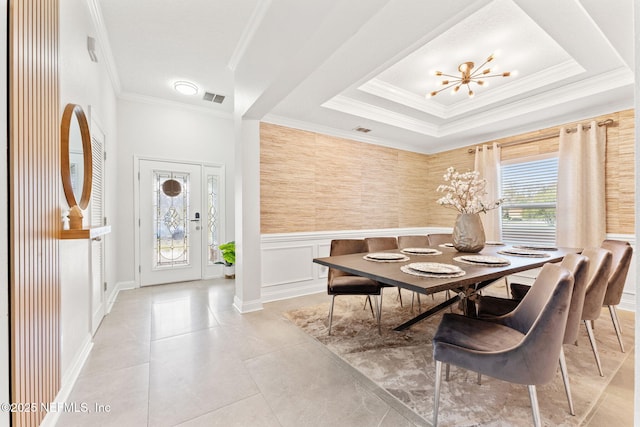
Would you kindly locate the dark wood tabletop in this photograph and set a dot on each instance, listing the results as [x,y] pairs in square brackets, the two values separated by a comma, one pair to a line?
[476,276]
[389,272]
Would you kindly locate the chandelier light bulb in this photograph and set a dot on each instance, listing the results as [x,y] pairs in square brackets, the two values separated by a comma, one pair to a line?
[468,74]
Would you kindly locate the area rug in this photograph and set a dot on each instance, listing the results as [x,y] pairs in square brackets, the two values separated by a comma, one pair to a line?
[402,364]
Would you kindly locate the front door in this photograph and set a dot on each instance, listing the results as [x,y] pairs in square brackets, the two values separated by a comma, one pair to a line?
[171,222]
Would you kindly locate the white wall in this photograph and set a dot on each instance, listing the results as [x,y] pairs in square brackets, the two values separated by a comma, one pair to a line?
[165,131]
[85,83]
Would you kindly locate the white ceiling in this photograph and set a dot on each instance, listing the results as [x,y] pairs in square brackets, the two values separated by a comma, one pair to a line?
[335,65]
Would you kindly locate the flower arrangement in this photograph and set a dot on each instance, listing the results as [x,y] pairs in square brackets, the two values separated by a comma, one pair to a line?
[464,192]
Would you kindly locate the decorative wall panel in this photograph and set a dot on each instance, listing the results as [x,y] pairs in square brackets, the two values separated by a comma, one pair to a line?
[34,214]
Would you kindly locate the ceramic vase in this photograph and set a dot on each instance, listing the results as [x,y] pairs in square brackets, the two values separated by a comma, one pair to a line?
[230,271]
[468,233]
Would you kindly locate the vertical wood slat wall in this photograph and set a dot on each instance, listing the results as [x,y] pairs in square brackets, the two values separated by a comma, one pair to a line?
[34,169]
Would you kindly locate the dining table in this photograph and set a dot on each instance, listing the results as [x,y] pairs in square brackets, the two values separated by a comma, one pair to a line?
[470,276]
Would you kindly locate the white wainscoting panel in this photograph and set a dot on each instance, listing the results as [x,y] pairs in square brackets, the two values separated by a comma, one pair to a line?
[288,269]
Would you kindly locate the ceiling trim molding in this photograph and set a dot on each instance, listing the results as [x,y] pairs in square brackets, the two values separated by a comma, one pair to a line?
[103,40]
[151,100]
[617,78]
[362,109]
[339,133]
[249,31]
[600,83]
[401,96]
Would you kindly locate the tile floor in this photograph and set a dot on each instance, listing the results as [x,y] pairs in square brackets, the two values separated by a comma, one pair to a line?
[180,355]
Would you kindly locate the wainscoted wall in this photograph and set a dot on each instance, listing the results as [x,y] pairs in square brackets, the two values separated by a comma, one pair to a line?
[311,183]
[288,269]
[287,258]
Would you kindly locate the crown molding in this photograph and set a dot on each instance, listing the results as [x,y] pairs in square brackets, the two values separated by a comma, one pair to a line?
[249,31]
[151,100]
[339,133]
[358,108]
[583,88]
[409,99]
[103,40]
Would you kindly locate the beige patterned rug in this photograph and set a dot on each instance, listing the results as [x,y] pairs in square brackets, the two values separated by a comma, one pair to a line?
[402,364]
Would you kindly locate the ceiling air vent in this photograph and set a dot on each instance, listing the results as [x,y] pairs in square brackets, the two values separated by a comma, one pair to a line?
[361,129]
[212,97]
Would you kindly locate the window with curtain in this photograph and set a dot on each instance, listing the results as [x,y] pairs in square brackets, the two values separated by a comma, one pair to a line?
[529,189]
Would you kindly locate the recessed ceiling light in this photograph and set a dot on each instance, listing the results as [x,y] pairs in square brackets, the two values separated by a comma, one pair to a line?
[185,88]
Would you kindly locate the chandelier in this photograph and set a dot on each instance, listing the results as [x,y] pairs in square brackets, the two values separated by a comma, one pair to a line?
[468,75]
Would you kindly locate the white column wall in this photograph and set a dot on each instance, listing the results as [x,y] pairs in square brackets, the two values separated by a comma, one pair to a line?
[247,204]
[87,84]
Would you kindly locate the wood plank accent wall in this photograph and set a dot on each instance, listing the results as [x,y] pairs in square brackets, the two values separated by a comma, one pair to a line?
[314,182]
[34,214]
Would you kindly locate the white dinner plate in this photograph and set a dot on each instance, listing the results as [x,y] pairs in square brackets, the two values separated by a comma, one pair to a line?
[485,259]
[434,268]
[385,256]
[421,251]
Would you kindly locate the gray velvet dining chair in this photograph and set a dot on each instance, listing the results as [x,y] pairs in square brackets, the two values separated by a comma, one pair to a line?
[439,238]
[597,280]
[413,242]
[523,348]
[343,283]
[621,253]
[494,308]
[377,244]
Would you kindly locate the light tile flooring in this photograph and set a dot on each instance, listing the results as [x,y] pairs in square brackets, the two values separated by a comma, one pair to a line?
[180,355]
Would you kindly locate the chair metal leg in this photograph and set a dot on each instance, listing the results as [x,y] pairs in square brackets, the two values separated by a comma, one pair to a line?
[479,378]
[447,369]
[370,305]
[400,296]
[436,392]
[592,339]
[379,311]
[565,379]
[533,396]
[333,298]
[616,325]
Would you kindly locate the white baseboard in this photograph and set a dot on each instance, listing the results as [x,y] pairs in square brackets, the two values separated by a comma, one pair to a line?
[113,296]
[68,382]
[246,306]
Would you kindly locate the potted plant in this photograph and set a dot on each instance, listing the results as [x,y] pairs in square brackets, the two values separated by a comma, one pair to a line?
[228,251]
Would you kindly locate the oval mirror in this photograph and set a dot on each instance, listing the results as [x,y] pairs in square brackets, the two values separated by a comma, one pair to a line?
[75,155]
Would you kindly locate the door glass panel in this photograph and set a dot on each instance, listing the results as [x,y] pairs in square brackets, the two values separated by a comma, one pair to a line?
[213,219]
[171,219]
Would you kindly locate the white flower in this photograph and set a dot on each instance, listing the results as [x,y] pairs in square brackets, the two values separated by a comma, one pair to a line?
[464,192]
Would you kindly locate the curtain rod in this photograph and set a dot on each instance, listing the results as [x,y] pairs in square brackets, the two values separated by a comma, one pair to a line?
[606,122]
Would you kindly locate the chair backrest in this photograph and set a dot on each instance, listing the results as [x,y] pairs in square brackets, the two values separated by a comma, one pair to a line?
[523,317]
[413,242]
[545,309]
[374,244]
[598,278]
[439,238]
[344,247]
[621,253]
[578,265]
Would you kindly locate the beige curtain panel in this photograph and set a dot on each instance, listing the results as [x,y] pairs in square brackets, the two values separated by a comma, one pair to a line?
[487,162]
[581,211]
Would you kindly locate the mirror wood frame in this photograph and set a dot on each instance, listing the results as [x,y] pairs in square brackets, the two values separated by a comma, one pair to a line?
[70,111]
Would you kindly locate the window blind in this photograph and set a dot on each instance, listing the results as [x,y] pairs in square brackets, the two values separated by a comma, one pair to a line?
[529,190]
